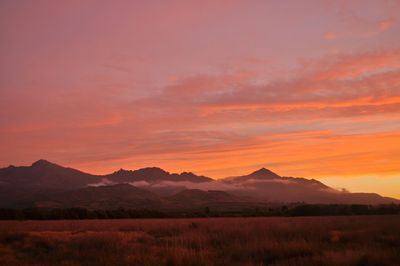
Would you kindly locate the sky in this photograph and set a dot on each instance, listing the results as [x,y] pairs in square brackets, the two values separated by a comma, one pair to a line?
[220,88]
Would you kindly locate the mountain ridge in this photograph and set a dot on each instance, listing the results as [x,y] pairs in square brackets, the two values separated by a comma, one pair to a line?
[44,181]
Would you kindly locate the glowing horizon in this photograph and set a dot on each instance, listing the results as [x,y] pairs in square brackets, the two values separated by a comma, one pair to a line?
[219,88]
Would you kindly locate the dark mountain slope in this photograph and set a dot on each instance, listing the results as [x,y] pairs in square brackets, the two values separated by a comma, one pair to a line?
[48,184]
[262,174]
[44,174]
[103,197]
[154,174]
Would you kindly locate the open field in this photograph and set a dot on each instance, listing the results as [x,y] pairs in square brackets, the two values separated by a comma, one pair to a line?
[356,240]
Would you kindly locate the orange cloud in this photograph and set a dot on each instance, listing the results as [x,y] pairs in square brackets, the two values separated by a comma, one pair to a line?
[222,125]
[329,35]
[311,154]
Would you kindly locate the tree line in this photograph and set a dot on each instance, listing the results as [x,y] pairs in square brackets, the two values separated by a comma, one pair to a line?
[120,213]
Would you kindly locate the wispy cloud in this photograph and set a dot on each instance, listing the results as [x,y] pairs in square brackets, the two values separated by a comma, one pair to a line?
[219,95]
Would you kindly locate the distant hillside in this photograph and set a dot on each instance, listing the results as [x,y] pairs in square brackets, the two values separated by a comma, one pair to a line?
[268,186]
[102,197]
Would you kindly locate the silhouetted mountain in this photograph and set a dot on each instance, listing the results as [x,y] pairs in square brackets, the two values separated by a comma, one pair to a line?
[262,173]
[268,186]
[154,174]
[44,174]
[47,184]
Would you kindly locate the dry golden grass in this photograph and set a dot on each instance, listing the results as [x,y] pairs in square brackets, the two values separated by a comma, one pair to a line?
[368,240]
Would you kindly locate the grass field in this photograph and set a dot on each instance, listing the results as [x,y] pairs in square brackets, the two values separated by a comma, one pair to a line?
[367,240]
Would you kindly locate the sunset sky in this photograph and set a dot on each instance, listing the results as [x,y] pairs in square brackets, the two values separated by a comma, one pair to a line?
[220,88]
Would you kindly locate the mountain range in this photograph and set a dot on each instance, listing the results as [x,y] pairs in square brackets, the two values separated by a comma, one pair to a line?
[49,185]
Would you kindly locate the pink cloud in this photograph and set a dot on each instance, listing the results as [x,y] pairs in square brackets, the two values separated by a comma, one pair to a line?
[353,66]
[386,24]
[207,111]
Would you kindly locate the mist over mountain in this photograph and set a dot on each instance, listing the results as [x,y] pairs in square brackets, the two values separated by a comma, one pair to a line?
[45,184]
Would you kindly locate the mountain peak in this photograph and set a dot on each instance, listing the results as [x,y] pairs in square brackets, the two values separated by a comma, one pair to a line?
[264,172]
[42,162]
[260,174]
[152,170]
